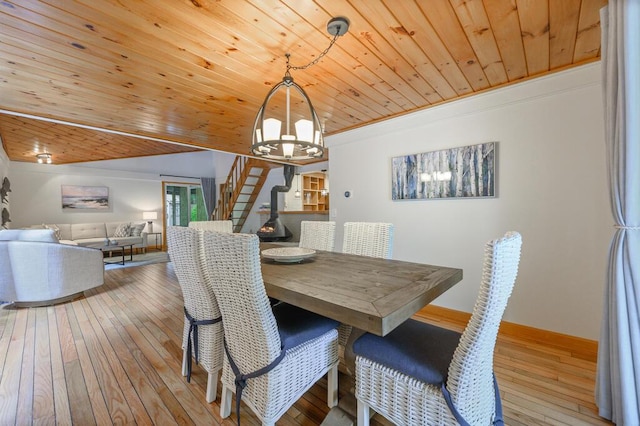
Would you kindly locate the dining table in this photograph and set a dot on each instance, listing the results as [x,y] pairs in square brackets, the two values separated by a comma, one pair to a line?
[369,294]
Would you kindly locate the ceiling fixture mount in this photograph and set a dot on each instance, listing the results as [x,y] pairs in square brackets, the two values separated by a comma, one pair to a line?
[44,157]
[301,136]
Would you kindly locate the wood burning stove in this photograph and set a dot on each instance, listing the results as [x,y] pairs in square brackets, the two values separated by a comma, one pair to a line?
[273,229]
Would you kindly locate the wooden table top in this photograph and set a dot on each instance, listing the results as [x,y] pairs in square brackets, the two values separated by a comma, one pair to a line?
[372,294]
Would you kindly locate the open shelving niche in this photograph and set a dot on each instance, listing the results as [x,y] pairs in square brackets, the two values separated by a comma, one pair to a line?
[311,187]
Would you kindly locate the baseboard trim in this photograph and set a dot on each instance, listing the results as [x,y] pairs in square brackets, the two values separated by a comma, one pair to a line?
[577,346]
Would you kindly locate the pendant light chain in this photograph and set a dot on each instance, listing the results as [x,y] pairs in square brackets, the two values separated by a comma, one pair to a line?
[315,61]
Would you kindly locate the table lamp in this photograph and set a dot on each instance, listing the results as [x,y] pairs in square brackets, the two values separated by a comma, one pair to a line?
[150,217]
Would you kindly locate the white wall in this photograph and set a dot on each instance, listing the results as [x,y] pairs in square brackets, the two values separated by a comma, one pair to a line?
[135,185]
[190,164]
[551,188]
[36,197]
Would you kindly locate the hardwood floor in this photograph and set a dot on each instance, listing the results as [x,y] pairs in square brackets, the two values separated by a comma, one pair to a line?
[114,357]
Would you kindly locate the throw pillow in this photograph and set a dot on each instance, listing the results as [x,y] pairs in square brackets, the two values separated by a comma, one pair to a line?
[136,230]
[56,230]
[122,230]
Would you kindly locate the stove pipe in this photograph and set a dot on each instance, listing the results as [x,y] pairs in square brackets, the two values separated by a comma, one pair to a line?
[273,229]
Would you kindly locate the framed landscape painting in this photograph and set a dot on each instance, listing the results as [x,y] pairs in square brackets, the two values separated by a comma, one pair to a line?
[467,171]
[75,197]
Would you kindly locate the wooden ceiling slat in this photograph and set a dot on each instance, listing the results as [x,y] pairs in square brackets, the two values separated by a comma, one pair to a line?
[63,142]
[399,73]
[588,38]
[227,107]
[427,39]
[475,23]
[404,44]
[534,24]
[245,71]
[360,81]
[349,56]
[563,27]
[197,72]
[148,51]
[443,18]
[503,15]
[351,109]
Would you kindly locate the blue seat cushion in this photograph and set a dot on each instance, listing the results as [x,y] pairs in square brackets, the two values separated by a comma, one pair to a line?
[422,351]
[297,325]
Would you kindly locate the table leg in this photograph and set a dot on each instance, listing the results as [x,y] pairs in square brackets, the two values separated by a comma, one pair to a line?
[348,402]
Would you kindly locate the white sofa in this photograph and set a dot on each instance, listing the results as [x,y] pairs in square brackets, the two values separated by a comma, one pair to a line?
[35,269]
[87,234]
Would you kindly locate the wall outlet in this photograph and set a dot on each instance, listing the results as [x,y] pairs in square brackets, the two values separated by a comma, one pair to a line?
[334,213]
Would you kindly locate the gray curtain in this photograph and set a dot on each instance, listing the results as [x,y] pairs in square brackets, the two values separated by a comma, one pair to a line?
[618,374]
[209,194]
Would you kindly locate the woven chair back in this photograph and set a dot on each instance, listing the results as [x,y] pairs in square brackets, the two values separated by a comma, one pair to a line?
[199,298]
[368,239]
[213,225]
[318,234]
[470,379]
[250,329]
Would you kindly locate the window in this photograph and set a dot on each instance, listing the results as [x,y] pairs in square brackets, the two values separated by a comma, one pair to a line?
[183,204]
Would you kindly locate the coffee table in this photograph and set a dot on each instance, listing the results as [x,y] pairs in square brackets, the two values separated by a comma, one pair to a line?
[117,248]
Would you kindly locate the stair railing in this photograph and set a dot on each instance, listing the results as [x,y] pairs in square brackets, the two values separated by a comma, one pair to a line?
[230,189]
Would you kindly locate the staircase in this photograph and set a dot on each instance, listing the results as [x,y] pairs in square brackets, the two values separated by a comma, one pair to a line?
[239,192]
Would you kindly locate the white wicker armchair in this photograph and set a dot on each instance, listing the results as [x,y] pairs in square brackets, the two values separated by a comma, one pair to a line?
[212,225]
[365,239]
[204,342]
[273,355]
[317,234]
[420,374]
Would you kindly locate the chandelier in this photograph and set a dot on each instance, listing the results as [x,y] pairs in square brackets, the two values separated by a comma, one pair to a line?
[43,157]
[287,103]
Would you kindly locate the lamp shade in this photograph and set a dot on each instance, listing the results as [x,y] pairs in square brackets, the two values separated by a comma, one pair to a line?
[150,215]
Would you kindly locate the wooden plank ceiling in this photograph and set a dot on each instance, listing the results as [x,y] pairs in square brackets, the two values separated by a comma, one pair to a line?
[195,72]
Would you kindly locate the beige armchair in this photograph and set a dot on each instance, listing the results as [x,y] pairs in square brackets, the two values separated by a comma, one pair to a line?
[36,270]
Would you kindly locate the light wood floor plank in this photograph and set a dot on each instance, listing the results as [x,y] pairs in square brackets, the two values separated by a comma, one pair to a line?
[25,394]
[79,402]
[90,381]
[118,360]
[12,369]
[113,382]
[43,402]
[7,320]
[60,396]
[114,357]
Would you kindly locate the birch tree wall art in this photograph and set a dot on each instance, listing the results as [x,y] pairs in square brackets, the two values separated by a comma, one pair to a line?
[467,171]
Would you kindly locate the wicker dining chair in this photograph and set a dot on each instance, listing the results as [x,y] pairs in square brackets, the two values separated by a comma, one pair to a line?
[200,341]
[368,239]
[421,374]
[371,239]
[212,225]
[317,234]
[274,355]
